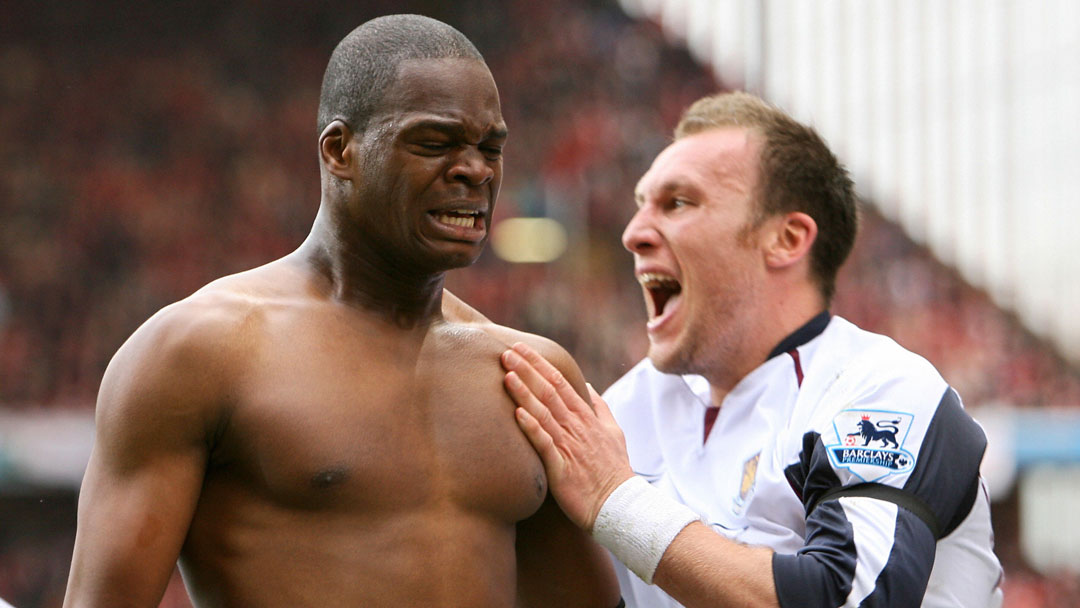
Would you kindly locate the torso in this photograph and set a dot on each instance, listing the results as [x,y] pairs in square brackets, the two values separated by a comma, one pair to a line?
[739,478]
[382,463]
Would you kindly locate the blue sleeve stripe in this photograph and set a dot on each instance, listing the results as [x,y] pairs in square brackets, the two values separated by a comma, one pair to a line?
[946,476]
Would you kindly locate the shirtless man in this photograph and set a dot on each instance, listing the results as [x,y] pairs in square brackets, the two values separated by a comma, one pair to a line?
[329,429]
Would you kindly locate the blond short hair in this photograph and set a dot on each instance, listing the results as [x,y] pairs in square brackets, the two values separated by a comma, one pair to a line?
[798,173]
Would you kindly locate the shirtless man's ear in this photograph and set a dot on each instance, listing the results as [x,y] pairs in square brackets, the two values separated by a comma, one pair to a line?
[335,152]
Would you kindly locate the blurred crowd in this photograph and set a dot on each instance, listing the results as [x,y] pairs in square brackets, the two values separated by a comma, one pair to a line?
[148,148]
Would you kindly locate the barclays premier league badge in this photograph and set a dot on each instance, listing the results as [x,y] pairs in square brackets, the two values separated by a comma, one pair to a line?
[870,443]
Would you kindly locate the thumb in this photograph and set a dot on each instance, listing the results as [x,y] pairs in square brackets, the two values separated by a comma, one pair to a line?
[603,412]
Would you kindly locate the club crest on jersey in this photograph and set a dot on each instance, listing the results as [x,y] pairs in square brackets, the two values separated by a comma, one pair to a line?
[870,443]
[746,486]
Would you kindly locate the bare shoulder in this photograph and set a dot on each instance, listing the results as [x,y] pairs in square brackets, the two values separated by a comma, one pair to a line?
[223,315]
[548,348]
[557,356]
[190,333]
[457,311]
[179,366]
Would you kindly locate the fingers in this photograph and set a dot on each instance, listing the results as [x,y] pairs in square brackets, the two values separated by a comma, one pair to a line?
[543,379]
[539,438]
[603,412]
[533,393]
[529,388]
[527,400]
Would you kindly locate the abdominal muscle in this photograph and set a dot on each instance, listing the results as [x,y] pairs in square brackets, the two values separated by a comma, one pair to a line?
[431,556]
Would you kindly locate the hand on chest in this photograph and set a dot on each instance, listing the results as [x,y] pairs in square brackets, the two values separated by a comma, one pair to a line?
[377,431]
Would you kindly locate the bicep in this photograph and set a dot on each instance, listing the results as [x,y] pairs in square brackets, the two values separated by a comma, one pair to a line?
[142,482]
[560,565]
[858,549]
[131,525]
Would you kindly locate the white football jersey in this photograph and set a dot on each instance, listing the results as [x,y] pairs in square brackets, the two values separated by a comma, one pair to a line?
[833,407]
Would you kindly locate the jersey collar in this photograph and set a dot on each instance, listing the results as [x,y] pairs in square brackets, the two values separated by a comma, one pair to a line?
[804,334]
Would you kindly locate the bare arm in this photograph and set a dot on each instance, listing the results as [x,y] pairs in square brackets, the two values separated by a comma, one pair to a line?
[585,455]
[142,483]
[558,563]
[702,568]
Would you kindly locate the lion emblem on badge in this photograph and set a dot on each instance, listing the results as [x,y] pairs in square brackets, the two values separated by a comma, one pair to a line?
[885,432]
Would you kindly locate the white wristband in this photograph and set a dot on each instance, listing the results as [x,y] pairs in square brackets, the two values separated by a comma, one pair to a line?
[637,522]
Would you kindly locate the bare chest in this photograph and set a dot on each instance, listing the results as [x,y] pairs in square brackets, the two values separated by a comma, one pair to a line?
[368,426]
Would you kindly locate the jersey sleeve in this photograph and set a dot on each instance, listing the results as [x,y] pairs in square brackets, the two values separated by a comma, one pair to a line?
[908,432]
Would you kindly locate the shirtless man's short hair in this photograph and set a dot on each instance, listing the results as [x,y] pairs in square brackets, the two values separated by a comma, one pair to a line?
[331,429]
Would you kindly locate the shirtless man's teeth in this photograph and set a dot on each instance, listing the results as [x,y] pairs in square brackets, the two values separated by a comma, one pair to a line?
[465,219]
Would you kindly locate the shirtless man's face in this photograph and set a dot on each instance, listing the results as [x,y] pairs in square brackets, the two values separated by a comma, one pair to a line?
[431,164]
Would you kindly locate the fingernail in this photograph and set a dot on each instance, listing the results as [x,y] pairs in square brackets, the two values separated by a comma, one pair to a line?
[510,357]
[513,380]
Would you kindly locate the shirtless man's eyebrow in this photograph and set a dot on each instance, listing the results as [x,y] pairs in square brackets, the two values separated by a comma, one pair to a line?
[452,128]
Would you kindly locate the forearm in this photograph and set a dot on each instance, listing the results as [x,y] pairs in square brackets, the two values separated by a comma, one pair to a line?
[660,540]
[665,543]
[703,568]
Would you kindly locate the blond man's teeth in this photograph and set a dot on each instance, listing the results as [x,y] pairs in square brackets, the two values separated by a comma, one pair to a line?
[653,279]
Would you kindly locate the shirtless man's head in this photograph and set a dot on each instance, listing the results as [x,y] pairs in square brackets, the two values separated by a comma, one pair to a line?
[365,63]
[410,145]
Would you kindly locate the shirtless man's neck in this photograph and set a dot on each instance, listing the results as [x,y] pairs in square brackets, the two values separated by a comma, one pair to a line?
[353,274]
